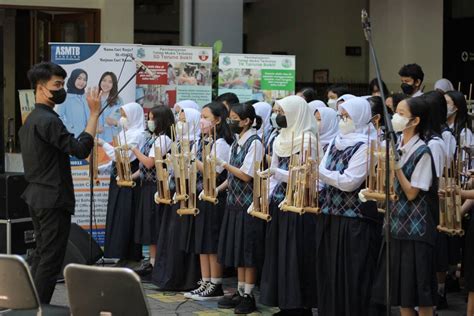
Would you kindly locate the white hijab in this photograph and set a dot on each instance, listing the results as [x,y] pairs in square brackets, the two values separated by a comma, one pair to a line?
[264,110]
[346,97]
[193,118]
[316,104]
[328,126]
[360,113]
[136,123]
[444,85]
[188,104]
[300,121]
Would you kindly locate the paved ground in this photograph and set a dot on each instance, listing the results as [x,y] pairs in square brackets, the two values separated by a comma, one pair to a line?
[172,303]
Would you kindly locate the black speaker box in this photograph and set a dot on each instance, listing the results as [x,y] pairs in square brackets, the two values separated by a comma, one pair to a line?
[78,248]
[17,236]
[12,186]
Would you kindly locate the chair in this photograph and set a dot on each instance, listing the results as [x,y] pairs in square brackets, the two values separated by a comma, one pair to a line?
[17,290]
[104,291]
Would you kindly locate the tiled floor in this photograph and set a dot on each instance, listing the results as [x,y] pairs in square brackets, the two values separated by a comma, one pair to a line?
[173,303]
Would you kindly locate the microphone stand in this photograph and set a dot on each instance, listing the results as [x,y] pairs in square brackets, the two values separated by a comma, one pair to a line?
[390,140]
[91,165]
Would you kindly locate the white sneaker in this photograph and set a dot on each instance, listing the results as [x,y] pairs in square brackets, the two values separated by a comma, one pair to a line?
[202,287]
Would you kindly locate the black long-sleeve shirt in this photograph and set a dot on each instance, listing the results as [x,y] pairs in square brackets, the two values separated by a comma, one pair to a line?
[45,147]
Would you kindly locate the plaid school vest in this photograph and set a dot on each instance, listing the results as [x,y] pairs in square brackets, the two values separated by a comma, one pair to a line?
[340,203]
[240,193]
[280,190]
[147,175]
[413,220]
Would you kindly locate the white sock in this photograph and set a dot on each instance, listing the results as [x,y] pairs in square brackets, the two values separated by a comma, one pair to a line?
[152,261]
[441,289]
[249,288]
[207,280]
[216,280]
[241,288]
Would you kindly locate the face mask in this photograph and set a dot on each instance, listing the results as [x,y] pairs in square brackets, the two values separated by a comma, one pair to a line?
[451,111]
[332,103]
[58,96]
[234,126]
[408,89]
[181,129]
[273,120]
[399,122]
[346,126]
[281,121]
[151,126]
[205,126]
[123,122]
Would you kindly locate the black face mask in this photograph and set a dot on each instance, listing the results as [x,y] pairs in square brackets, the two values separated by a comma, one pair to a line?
[234,126]
[408,89]
[59,96]
[281,121]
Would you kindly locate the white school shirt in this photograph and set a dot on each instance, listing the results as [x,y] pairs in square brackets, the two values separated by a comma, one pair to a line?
[137,142]
[164,142]
[450,145]
[417,94]
[354,175]
[255,150]
[422,176]
[222,152]
[438,151]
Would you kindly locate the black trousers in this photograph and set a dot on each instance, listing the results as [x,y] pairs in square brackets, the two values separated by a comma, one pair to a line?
[52,232]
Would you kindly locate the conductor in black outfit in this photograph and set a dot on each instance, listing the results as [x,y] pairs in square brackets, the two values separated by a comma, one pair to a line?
[46,146]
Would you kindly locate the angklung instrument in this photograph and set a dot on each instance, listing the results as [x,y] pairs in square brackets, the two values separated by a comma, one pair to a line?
[163,194]
[122,161]
[209,174]
[261,188]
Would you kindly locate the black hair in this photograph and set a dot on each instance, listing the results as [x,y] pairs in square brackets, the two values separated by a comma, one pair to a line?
[438,111]
[461,114]
[113,97]
[229,97]
[397,98]
[338,90]
[420,108]
[413,71]
[251,102]
[43,72]
[71,82]
[376,105]
[163,118]
[309,94]
[375,84]
[245,111]
[222,129]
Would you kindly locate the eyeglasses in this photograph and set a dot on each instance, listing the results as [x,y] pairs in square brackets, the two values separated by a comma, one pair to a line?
[343,117]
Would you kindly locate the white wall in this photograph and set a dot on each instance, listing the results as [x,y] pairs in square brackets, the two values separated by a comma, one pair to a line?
[407,31]
[316,31]
[116,15]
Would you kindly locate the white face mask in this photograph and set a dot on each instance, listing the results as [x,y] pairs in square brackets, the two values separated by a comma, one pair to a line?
[151,125]
[123,122]
[451,111]
[273,120]
[399,122]
[346,126]
[332,103]
[181,129]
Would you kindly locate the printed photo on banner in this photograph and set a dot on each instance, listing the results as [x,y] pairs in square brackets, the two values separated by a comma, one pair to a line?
[27,102]
[260,77]
[108,67]
[180,73]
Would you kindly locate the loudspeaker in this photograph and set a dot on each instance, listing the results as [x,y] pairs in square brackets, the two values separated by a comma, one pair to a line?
[17,236]
[12,186]
[77,250]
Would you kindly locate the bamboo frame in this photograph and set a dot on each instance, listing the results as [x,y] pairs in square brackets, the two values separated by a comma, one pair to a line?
[163,194]
[122,162]
[209,173]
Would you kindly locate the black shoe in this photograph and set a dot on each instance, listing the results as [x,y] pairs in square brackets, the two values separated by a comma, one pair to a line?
[452,284]
[213,292]
[246,306]
[230,302]
[442,302]
[144,269]
[201,288]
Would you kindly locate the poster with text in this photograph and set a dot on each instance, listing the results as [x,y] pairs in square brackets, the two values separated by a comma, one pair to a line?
[180,73]
[257,77]
[109,67]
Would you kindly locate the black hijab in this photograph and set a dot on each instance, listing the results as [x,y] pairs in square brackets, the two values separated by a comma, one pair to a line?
[71,83]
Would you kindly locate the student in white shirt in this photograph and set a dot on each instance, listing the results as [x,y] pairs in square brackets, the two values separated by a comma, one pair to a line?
[208,222]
